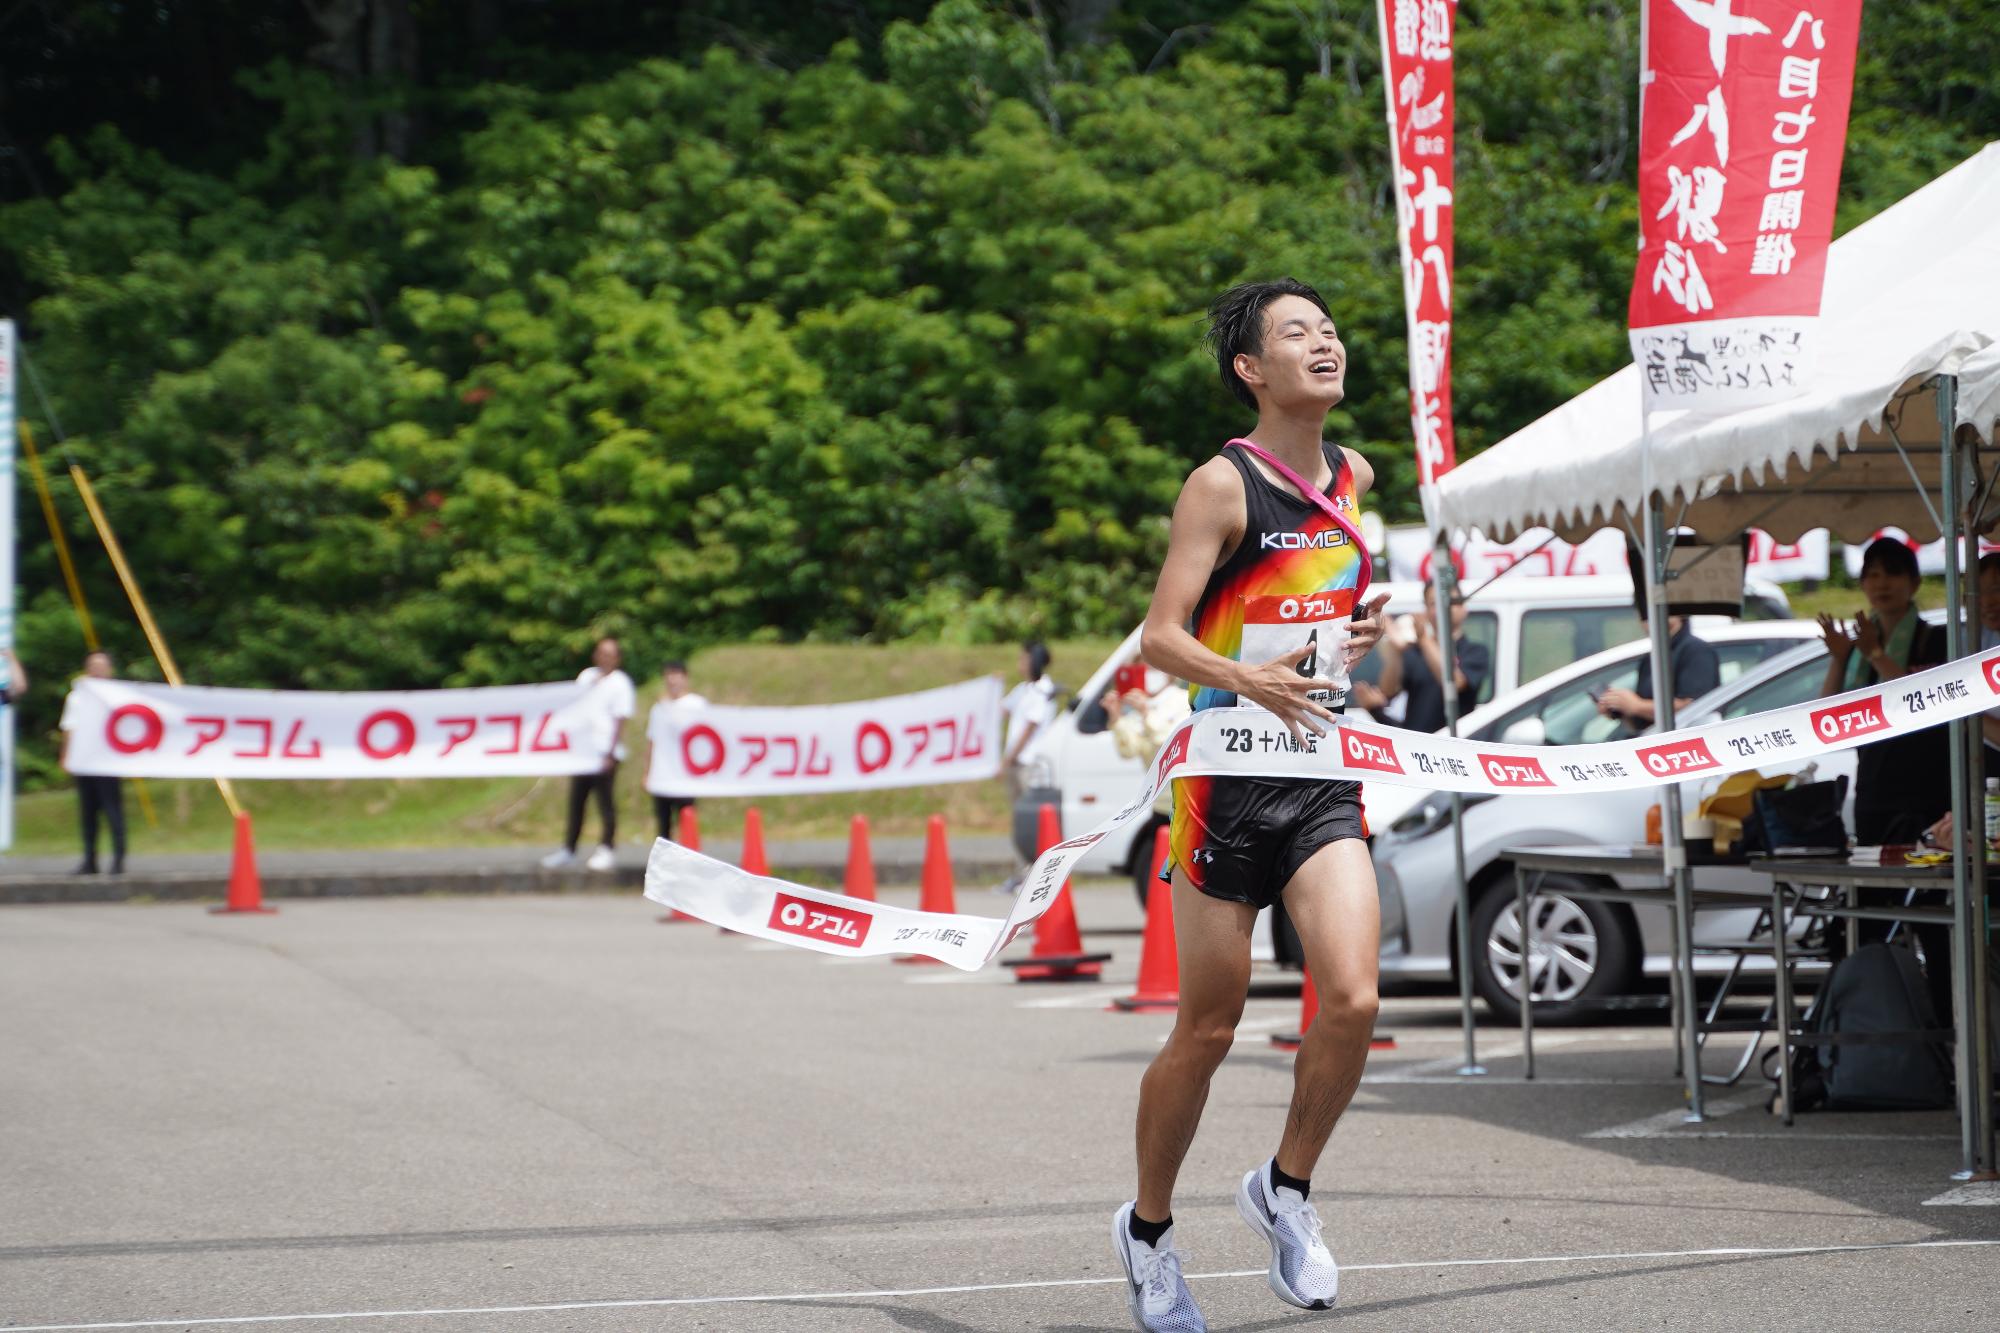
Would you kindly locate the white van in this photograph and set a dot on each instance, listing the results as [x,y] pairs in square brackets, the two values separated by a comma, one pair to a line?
[1529,625]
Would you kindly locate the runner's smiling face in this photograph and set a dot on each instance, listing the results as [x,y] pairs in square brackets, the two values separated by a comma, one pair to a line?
[1302,363]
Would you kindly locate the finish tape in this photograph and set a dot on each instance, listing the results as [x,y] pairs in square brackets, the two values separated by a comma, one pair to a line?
[1251,742]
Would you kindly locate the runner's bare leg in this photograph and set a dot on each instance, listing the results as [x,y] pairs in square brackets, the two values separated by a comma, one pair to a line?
[1332,902]
[1214,947]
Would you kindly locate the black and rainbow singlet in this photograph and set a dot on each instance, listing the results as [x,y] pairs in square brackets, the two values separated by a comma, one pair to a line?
[1289,548]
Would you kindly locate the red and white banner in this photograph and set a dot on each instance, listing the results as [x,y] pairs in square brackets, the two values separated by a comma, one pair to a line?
[1742,125]
[1417,82]
[1535,554]
[950,734]
[1250,742]
[128,729]
[1930,555]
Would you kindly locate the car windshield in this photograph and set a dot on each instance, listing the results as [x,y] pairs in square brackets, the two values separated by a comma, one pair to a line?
[1567,715]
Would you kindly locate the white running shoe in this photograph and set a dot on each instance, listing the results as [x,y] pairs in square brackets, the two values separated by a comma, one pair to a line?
[1154,1289]
[1303,1272]
[602,859]
[562,858]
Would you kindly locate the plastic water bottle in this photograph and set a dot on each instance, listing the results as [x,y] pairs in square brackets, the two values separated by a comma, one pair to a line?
[1992,813]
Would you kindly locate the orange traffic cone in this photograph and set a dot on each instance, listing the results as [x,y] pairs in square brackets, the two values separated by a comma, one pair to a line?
[1058,953]
[246,890]
[1159,968]
[1308,1009]
[691,839]
[753,842]
[939,894]
[860,881]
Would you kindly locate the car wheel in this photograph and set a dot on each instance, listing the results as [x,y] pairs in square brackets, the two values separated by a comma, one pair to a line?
[1579,951]
[1144,875]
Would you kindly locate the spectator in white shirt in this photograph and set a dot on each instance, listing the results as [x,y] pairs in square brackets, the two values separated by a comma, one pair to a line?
[98,797]
[1030,707]
[612,702]
[663,727]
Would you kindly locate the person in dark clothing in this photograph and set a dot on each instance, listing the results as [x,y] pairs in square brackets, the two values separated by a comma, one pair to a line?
[1697,670]
[1900,782]
[98,797]
[1416,672]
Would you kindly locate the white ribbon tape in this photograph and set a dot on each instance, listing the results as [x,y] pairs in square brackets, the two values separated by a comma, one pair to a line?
[1249,742]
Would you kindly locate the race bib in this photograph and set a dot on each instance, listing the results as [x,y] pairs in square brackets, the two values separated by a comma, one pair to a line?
[1282,625]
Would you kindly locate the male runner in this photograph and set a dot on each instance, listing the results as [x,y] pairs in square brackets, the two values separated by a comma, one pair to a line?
[1241,529]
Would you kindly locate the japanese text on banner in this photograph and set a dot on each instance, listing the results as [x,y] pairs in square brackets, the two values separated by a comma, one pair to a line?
[908,740]
[1417,74]
[122,728]
[1743,123]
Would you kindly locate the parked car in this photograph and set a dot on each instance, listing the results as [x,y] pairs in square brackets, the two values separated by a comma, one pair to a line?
[1531,626]
[1604,947]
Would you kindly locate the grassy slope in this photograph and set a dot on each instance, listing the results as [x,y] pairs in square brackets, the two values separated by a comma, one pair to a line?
[311,815]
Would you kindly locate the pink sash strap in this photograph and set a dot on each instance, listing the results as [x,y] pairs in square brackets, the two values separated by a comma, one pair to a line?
[1326,506]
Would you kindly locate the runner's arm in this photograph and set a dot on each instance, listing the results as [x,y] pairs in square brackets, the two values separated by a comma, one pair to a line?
[1364,472]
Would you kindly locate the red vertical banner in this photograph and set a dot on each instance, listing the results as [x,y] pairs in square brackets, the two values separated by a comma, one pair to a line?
[1417,81]
[1742,125]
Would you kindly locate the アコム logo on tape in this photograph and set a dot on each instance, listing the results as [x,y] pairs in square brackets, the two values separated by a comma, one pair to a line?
[1375,752]
[1688,756]
[820,921]
[1507,771]
[1858,718]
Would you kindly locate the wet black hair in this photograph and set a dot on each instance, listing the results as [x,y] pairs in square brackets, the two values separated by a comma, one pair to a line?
[1893,557]
[1236,326]
[1038,658]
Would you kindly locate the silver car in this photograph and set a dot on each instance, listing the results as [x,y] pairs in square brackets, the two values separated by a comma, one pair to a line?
[1599,949]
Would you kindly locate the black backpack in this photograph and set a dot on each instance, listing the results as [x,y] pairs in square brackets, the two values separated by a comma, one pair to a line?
[1884,1050]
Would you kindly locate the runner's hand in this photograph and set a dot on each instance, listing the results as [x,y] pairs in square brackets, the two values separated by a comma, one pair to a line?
[1278,687]
[1364,633]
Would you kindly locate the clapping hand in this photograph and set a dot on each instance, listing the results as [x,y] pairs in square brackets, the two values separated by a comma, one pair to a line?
[1838,642]
[1867,636]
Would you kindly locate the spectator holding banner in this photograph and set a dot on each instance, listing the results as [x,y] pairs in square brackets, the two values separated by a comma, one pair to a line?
[1029,707]
[663,727]
[97,796]
[612,702]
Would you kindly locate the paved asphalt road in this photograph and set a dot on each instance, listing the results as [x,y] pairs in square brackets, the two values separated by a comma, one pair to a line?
[547,1113]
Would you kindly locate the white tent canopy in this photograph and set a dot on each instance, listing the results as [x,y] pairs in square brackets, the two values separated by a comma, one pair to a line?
[1913,292]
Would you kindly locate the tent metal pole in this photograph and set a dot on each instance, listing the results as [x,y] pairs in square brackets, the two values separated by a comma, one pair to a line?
[1444,579]
[1673,847]
[1974,1071]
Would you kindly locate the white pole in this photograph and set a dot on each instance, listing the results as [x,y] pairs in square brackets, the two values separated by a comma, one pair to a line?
[9,353]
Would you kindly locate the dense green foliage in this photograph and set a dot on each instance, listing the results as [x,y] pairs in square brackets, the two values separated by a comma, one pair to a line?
[878,327]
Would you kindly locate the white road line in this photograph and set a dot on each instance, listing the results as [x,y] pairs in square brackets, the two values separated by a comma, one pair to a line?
[1972,1194]
[1728,1252]
[1657,1126]
[1095,998]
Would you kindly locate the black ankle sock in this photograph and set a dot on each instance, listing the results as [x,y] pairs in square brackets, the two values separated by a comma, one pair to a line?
[1148,1232]
[1279,1180]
